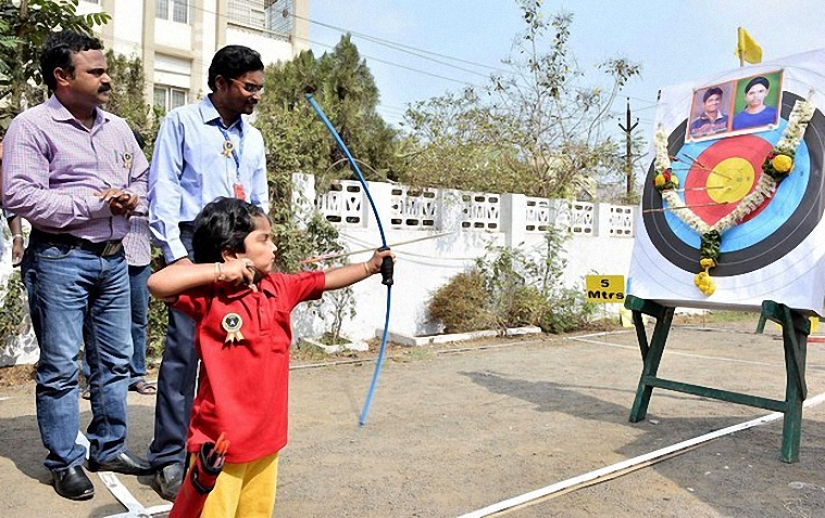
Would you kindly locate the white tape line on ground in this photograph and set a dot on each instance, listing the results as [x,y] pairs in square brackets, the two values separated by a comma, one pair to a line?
[119,491]
[641,461]
[600,333]
[149,512]
[677,353]
[115,486]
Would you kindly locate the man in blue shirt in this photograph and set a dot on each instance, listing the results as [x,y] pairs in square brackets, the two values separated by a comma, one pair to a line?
[203,151]
[756,112]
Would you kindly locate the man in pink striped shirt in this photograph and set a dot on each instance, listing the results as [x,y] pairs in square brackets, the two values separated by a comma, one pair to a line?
[76,173]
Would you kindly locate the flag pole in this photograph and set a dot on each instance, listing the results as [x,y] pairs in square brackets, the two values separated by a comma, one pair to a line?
[740,48]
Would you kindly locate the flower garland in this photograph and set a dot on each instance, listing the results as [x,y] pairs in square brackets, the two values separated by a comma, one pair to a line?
[777,165]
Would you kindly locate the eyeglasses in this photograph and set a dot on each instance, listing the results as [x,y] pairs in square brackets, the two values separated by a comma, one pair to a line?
[249,87]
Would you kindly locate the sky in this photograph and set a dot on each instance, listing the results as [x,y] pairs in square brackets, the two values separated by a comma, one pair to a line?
[673,41]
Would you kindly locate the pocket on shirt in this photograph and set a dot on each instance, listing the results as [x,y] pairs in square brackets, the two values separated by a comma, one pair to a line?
[280,330]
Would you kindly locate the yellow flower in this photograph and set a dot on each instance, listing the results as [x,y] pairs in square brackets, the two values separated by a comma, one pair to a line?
[705,284]
[675,180]
[707,262]
[659,180]
[782,163]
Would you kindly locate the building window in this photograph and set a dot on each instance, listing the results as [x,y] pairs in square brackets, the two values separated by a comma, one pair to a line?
[249,13]
[175,10]
[279,17]
[169,98]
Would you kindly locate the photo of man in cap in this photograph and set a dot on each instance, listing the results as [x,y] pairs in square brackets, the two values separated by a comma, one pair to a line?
[756,113]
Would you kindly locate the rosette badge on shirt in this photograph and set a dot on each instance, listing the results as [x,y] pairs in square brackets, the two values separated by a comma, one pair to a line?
[232,323]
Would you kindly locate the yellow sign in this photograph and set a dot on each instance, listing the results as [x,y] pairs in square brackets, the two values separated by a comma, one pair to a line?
[605,289]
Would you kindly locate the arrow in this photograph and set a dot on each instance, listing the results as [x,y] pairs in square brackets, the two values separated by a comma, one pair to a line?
[663,209]
[327,257]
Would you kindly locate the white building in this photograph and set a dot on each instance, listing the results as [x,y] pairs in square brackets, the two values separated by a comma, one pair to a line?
[176,39]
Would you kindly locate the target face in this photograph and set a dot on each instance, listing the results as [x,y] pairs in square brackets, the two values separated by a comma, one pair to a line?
[716,175]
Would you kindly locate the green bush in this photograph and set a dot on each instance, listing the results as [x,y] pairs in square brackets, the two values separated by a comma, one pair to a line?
[509,289]
[568,311]
[528,307]
[463,304]
[12,310]
[156,329]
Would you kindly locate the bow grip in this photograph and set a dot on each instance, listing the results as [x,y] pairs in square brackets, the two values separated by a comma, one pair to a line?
[386,268]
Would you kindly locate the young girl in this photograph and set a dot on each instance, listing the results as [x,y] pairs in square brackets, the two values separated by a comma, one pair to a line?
[242,313]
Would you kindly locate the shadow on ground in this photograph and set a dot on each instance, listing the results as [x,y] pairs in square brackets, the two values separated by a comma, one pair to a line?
[795,489]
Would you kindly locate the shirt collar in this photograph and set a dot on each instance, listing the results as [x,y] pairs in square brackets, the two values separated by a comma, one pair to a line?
[60,113]
[210,114]
[706,117]
[237,291]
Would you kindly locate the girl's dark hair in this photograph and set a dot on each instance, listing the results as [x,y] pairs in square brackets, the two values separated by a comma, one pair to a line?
[57,53]
[233,61]
[223,225]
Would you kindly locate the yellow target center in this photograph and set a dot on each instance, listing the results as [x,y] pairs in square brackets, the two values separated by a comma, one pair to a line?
[730,181]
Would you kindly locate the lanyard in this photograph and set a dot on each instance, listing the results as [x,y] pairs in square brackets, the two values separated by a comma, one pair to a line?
[235,154]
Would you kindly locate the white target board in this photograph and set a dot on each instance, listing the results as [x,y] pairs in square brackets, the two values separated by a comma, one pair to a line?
[717,188]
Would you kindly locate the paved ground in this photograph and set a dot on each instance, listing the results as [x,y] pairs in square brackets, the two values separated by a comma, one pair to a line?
[452,431]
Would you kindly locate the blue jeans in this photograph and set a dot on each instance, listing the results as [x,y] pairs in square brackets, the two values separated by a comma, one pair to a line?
[139,301]
[176,386]
[70,286]
[139,297]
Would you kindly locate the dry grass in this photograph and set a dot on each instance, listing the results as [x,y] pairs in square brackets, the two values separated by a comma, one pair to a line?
[16,375]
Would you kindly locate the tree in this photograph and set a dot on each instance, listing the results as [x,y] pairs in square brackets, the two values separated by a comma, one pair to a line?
[348,87]
[538,130]
[127,97]
[297,141]
[25,27]
[343,85]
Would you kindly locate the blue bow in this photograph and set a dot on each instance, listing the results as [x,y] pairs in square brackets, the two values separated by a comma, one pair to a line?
[386,264]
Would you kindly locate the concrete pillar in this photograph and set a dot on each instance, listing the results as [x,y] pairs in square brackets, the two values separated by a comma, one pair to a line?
[514,219]
[601,220]
[382,197]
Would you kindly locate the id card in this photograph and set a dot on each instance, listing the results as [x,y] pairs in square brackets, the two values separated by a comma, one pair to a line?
[239,192]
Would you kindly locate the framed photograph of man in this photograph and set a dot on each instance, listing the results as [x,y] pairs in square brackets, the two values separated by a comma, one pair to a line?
[757,100]
[710,111]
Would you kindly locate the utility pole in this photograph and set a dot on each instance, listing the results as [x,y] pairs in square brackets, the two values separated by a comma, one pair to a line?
[628,157]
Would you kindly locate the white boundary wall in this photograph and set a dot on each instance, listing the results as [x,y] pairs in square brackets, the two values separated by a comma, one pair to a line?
[601,243]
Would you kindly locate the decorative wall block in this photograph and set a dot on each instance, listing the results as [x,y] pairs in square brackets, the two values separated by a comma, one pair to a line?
[538,214]
[621,221]
[413,208]
[481,211]
[583,217]
[343,204]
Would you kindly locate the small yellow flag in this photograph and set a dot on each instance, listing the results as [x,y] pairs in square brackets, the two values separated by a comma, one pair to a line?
[747,49]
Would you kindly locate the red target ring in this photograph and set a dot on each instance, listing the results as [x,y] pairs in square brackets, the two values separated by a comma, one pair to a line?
[723,174]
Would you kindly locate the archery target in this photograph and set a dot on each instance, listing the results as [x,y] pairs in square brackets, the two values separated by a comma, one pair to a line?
[777,252]
[767,234]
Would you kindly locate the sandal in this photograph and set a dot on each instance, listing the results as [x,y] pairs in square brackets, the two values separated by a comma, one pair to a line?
[143,387]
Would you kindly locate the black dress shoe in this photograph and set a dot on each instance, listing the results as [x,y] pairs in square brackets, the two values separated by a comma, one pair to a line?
[72,483]
[125,462]
[167,481]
